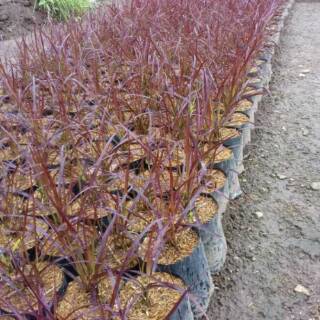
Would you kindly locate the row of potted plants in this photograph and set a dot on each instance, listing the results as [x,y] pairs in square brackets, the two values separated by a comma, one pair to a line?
[122,138]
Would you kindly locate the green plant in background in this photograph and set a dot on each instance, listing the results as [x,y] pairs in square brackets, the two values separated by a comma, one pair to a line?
[64,9]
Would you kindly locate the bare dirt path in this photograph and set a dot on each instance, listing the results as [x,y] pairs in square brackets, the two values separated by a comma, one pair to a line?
[269,256]
[18,17]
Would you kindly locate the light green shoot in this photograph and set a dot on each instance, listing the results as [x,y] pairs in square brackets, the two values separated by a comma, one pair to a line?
[64,9]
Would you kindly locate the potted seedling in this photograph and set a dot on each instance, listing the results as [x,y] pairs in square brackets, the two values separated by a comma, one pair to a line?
[173,247]
[157,296]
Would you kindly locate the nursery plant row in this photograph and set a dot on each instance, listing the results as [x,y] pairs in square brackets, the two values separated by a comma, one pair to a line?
[121,141]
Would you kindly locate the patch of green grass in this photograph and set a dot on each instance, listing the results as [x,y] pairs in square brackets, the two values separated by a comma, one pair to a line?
[64,9]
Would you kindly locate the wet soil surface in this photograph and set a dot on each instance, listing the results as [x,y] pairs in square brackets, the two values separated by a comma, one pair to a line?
[18,17]
[269,256]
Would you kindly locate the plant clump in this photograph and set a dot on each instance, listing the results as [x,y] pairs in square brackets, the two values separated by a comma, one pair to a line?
[64,9]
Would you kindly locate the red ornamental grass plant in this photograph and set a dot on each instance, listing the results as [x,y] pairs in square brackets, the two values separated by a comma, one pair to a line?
[106,127]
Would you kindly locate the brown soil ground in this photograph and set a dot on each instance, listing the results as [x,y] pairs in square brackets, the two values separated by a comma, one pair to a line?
[17,17]
[270,256]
